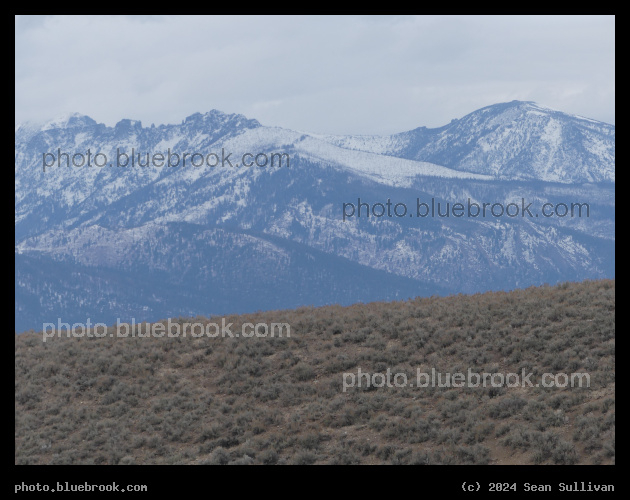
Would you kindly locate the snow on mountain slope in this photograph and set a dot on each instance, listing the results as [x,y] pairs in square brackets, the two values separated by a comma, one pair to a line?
[213,132]
[383,169]
[515,140]
[213,230]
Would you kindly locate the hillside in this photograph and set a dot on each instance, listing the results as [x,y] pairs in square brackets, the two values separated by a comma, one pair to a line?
[282,400]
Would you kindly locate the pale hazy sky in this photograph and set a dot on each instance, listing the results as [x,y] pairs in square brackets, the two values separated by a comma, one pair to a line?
[326,74]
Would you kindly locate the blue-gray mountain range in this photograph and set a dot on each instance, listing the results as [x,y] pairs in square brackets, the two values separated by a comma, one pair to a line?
[155,242]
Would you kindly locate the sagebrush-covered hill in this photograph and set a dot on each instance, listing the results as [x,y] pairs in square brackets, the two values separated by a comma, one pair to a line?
[281,400]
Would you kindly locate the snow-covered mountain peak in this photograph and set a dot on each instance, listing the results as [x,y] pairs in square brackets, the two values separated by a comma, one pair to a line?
[68,120]
[510,140]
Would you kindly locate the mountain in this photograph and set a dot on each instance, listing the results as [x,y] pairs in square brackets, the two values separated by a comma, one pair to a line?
[515,140]
[149,242]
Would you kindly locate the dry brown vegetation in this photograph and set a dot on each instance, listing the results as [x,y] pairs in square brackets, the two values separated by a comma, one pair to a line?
[280,400]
